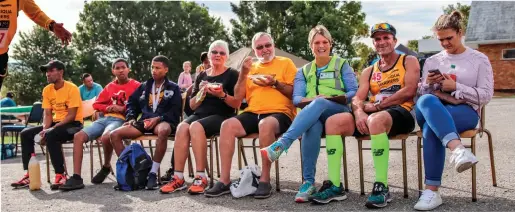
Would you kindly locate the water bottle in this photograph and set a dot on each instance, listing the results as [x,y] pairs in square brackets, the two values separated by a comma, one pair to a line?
[34,173]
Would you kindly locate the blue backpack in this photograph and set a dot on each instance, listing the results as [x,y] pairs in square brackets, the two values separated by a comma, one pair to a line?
[132,168]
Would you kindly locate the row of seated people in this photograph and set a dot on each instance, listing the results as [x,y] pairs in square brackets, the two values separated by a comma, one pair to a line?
[327,90]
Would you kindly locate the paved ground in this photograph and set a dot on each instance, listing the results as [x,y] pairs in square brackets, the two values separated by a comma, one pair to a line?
[456,191]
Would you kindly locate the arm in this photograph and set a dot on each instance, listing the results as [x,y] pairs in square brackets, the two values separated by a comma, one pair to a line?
[196,88]
[70,116]
[179,81]
[362,93]
[32,10]
[299,88]
[47,118]
[350,82]
[409,90]
[230,99]
[484,86]
[174,113]
[241,86]
[133,109]
[102,101]
[423,87]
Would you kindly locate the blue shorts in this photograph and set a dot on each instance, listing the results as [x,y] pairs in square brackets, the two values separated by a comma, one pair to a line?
[102,125]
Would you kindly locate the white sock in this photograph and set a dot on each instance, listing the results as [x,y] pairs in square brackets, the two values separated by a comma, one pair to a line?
[155,167]
[180,175]
[201,174]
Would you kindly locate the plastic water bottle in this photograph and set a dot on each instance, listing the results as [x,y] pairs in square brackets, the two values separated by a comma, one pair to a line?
[34,173]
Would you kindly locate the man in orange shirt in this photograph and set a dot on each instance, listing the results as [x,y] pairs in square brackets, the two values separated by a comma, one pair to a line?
[267,86]
[9,24]
[62,118]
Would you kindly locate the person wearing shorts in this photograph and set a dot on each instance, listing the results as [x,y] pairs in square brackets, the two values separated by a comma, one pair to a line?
[212,101]
[112,102]
[159,102]
[267,86]
[392,82]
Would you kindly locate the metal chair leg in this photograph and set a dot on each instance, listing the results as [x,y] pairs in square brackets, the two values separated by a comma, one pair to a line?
[419,164]
[473,146]
[254,150]
[344,158]
[91,158]
[360,156]
[492,160]
[217,157]
[404,169]
[211,143]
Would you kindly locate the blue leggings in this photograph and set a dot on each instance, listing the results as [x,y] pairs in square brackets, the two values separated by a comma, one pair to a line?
[310,124]
[441,123]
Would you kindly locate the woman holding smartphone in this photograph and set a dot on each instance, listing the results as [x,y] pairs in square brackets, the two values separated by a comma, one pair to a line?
[455,84]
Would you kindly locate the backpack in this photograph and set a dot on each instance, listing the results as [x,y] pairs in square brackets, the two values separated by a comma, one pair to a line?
[248,182]
[7,151]
[132,168]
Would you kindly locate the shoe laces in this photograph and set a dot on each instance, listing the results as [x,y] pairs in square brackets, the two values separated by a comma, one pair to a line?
[457,153]
[174,182]
[427,196]
[378,189]
[305,187]
[59,178]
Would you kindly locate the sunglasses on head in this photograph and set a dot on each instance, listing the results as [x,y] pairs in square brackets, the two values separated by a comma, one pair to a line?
[217,52]
[268,45]
[383,26]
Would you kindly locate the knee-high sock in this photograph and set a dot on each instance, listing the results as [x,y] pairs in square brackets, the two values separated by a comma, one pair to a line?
[334,148]
[380,153]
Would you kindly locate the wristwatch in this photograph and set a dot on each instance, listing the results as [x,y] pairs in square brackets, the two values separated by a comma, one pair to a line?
[223,98]
[51,26]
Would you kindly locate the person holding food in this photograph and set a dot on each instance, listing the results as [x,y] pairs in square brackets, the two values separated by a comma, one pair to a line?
[323,88]
[267,86]
[213,101]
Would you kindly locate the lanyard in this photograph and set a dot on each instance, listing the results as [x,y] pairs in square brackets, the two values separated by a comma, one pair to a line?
[155,98]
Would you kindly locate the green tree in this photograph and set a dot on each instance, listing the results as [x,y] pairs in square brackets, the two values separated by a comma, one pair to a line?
[362,51]
[290,22]
[35,48]
[462,8]
[141,30]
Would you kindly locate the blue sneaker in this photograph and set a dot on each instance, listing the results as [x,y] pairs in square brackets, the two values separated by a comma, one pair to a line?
[329,194]
[272,152]
[305,190]
[380,196]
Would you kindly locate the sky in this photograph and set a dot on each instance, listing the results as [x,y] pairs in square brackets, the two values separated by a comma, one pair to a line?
[412,19]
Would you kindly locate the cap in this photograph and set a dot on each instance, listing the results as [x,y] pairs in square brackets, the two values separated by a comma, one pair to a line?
[52,64]
[383,27]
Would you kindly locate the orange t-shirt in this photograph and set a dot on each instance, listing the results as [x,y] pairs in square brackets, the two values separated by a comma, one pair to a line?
[9,19]
[263,100]
[60,100]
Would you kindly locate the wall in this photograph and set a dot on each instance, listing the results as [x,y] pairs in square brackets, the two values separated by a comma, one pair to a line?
[504,70]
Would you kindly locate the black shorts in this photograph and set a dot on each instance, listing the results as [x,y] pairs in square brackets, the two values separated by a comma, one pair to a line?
[210,123]
[250,121]
[140,125]
[402,121]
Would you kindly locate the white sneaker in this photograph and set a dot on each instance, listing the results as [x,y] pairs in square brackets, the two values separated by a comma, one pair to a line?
[429,200]
[463,159]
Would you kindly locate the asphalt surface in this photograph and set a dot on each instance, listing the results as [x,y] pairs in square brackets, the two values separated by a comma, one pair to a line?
[456,189]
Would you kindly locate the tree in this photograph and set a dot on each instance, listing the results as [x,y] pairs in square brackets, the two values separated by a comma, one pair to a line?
[362,51]
[463,9]
[138,31]
[290,22]
[35,48]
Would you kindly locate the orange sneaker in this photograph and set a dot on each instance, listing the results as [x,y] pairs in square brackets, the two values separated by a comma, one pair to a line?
[174,185]
[60,179]
[198,186]
[24,182]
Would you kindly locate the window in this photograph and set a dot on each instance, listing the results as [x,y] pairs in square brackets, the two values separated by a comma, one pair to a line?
[508,54]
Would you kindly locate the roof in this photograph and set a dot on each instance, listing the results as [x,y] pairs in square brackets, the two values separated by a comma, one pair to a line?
[491,22]
[238,56]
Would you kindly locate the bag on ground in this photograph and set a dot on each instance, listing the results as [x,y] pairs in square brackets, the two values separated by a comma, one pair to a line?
[132,168]
[248,182]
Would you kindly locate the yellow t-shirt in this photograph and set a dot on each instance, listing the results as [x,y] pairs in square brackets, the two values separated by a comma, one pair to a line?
[60,100]
[263,100]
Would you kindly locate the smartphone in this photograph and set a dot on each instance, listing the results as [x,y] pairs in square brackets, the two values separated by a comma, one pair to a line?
[435,71]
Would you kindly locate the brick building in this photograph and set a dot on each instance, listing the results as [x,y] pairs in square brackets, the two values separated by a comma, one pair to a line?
[491,26]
